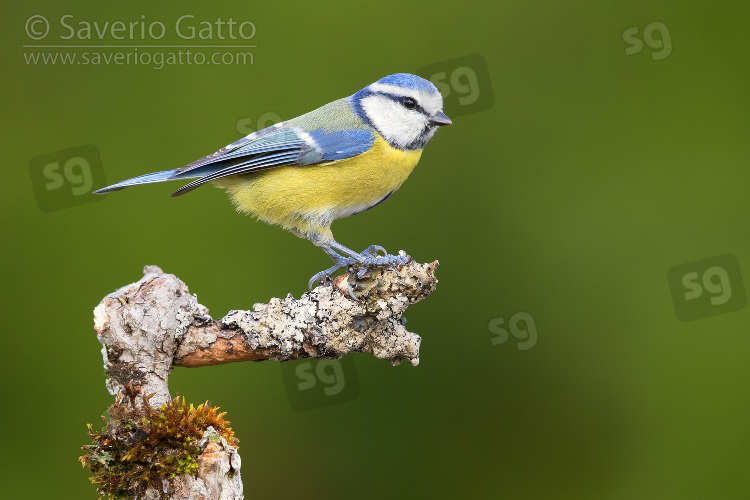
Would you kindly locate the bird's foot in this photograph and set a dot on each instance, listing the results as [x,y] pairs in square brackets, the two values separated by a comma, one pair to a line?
[364,262]
[371,260]
[360,286]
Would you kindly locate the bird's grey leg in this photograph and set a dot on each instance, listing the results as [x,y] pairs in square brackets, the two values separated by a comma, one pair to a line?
[339,262]
[345,250]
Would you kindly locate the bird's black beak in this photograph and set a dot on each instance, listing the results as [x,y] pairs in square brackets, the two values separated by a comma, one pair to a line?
[440,119]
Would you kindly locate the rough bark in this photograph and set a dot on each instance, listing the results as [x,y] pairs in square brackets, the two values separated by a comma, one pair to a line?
[153,324]
[218,476]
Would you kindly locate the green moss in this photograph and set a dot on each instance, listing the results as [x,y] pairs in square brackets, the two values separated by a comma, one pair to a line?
[141,446]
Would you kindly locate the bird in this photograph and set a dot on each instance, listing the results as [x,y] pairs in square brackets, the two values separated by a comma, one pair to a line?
[333,162]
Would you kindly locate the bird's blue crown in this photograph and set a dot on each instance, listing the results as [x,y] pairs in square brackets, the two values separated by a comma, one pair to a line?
[409,81]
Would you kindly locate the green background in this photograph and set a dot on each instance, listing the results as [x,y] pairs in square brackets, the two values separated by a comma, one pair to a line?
[592,175]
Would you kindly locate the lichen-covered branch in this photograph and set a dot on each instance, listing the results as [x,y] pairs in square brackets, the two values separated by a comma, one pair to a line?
[150,325]
[327,323]
[155,323]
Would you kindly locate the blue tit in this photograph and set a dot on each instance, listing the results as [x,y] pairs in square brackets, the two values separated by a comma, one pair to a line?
[338,160]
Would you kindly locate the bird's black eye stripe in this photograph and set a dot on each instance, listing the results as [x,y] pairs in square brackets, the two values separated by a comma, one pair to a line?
[408,102]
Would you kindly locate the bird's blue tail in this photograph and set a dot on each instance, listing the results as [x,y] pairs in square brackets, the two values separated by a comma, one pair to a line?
[165,175]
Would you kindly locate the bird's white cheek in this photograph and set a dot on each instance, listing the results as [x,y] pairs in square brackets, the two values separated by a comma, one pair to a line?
[397,124]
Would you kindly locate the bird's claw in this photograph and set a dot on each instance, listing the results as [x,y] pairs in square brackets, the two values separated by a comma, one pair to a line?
[339,262]
[351,292]
[369,260]
[372,251]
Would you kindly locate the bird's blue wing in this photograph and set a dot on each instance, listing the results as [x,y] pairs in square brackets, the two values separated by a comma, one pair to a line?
[324,135]
[272,147]
[338,145]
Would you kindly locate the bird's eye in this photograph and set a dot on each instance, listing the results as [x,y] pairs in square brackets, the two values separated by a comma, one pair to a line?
[408,102]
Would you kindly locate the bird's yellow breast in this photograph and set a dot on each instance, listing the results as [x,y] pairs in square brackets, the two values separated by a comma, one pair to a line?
[304,198]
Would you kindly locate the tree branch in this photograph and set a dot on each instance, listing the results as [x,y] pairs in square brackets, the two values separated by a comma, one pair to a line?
[326,323]
[153,324]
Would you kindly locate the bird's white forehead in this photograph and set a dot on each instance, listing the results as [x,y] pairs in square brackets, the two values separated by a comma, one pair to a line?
[431,102]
